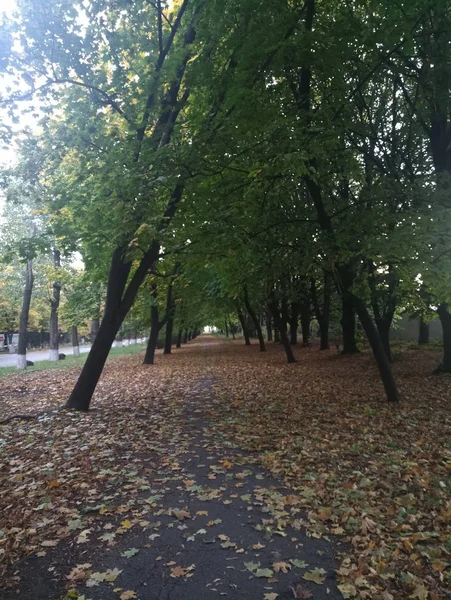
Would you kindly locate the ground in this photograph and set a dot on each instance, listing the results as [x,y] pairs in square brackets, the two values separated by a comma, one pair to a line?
[223,472]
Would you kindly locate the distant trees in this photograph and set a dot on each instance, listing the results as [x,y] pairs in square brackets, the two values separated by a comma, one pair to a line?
[292,159]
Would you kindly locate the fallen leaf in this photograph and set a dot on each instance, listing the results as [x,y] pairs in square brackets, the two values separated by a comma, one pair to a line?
[317,576]
[127,595]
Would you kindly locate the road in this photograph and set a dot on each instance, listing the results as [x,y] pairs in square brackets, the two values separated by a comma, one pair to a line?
[10,360]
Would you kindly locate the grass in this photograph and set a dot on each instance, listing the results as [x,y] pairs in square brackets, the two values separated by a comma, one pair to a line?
[71,361]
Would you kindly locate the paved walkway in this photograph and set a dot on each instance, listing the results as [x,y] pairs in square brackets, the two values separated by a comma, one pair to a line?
[209,523]
[10,360]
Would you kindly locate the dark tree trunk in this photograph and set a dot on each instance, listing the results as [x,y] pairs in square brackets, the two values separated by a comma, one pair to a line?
[84,388]
[276,335]
[24,314]
[179,338]
[115,312]
[383,311]
[383,327]
[170,308]
[168,335]
[232,329]
[348,325]
[445,320]
[75,344]
[284,315]
[149,356]
[226,327]
[185,337]
[294,323]
[281,325]
[54,307]
[255,320]
[119,300]
[190,335]
[305,322]
[95,324]
[322,316]
[379,352]
[269,325]
[423,333]
[243,327]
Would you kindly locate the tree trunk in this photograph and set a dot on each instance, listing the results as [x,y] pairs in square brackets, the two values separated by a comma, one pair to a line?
[54,306]
[383,327]
[83,391]
[423,333]
[305,322]
[95,324]
[24,314]
[348,325]
[269,325]
[190,335]
[185,337]
[322,316]
[149,357]
[379,352]
[294,323]
[284,315]
[243,327]
[276,334]
[168,335]
[226,327]
[255,320]
[179,338]
[281,325]
[75,345]
[445,320]
[170,308]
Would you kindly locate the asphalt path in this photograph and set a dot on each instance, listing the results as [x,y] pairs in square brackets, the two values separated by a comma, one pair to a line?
[10,360]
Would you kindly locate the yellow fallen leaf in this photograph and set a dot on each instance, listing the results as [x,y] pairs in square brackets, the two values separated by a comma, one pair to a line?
[128,595]
[126,524]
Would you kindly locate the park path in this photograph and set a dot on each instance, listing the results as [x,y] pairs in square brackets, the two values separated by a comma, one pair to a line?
[209,523]
[10,360]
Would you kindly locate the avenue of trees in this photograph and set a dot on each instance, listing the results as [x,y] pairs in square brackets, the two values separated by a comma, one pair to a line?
[247,164]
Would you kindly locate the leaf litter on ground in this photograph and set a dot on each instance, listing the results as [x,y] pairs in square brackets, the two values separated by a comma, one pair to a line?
[375,475]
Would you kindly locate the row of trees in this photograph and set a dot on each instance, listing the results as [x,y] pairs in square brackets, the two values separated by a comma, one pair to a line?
[275,156]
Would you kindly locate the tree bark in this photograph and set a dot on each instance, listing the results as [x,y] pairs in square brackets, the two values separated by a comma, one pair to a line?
[155,326]
[423,333]
[305,321]
[348,325]
[179,338]
[294,323]
[276,335]
[75,344]
[269,325]
[54,306]
[119,300]
[24,315]
[281,325]
[168,335]
[185,337]
[243,327]
[255,319]
[383,327]
[377,347]
[226,327]
[95,324]
[445,320]
[322,316]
